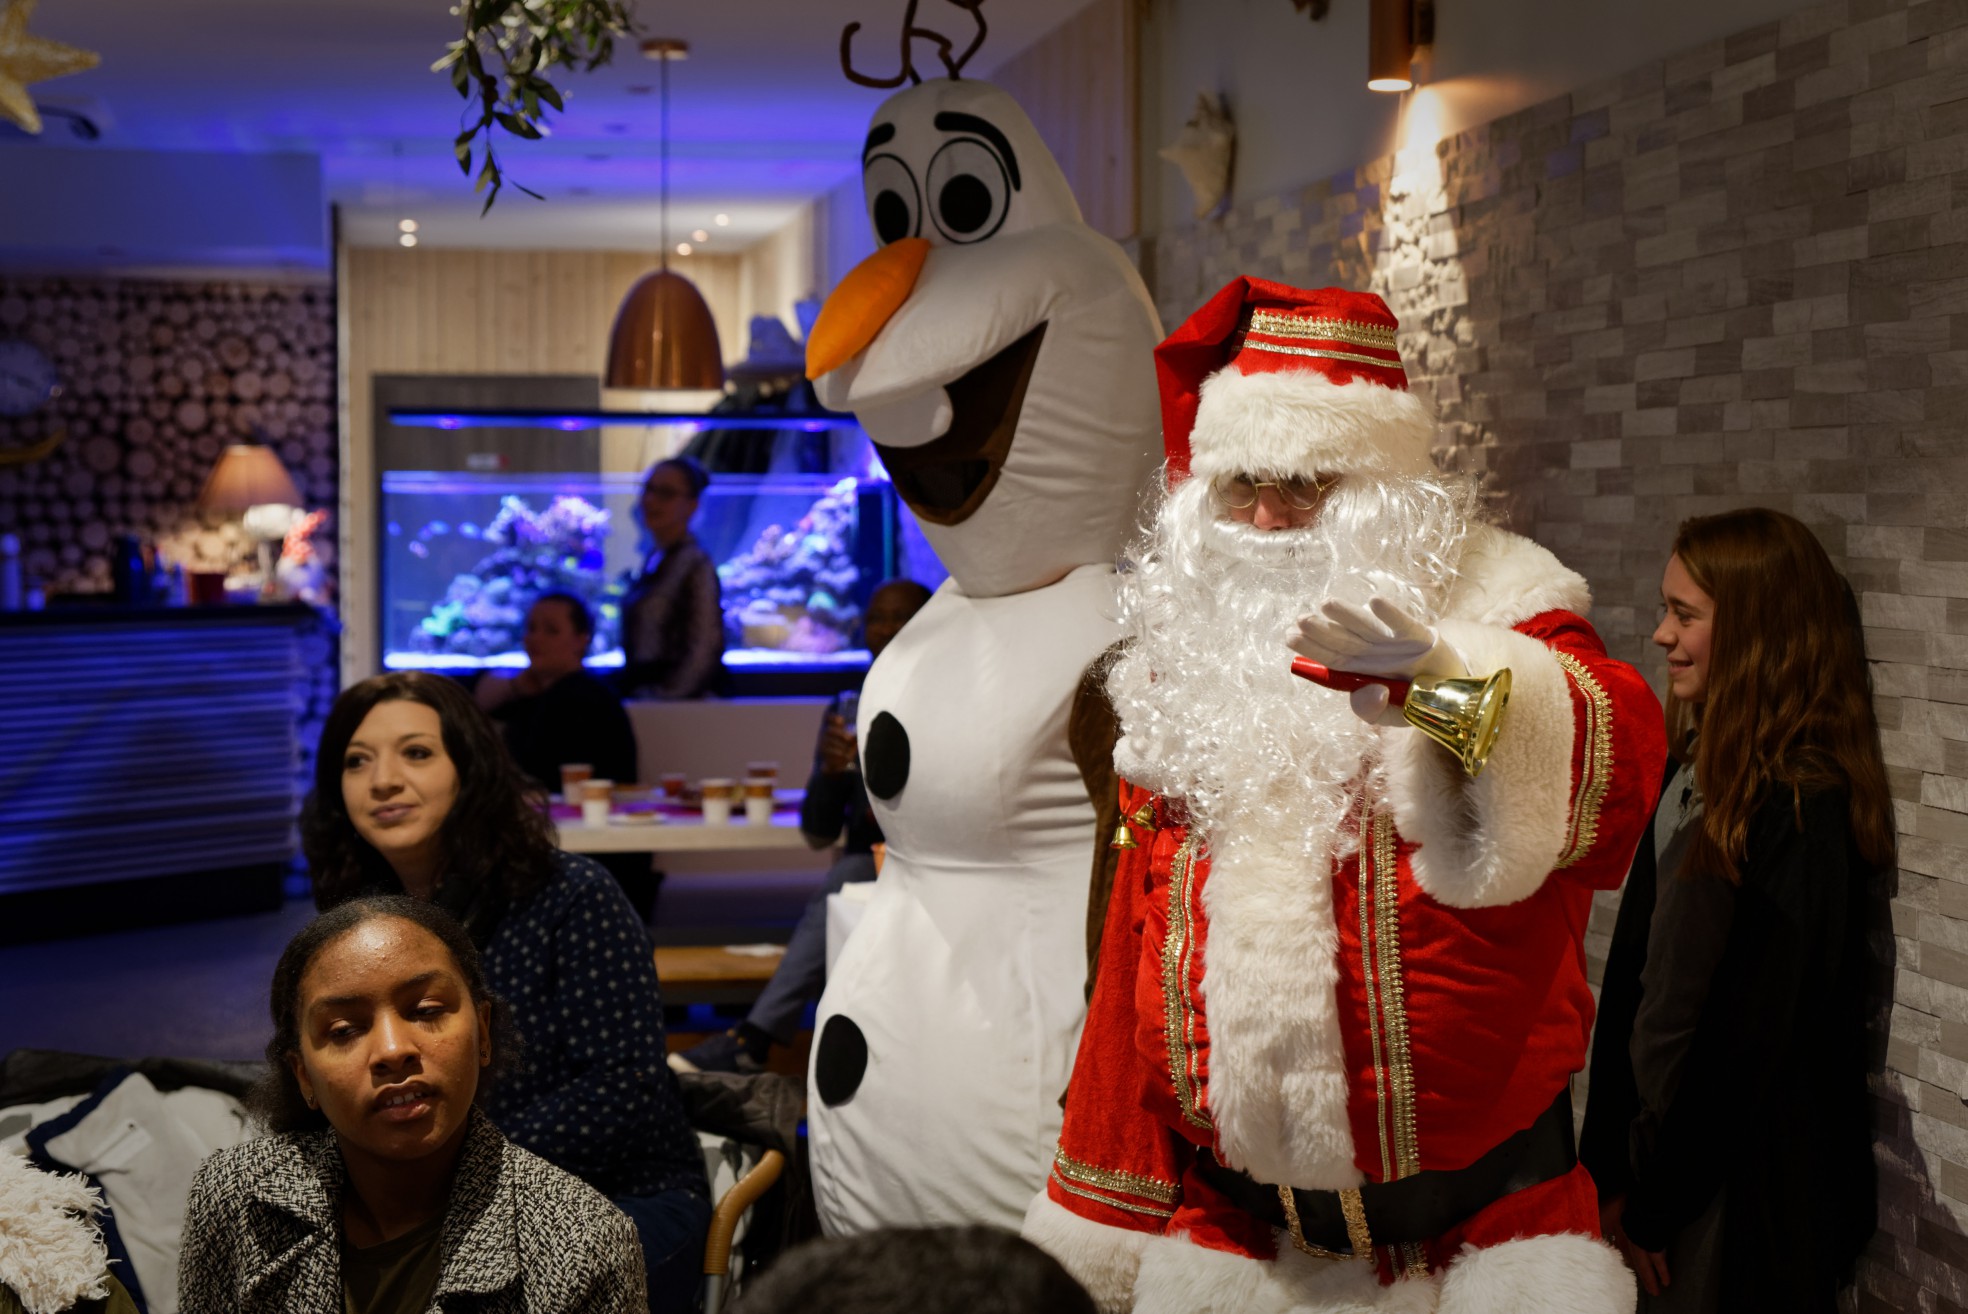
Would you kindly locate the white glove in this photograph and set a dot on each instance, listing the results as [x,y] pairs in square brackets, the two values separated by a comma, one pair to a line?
[1386,642]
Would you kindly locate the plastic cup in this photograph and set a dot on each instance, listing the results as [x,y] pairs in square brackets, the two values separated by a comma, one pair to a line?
[718,792]
[758,800]
[762,771]
[596,796]
[571,776]
[672,784]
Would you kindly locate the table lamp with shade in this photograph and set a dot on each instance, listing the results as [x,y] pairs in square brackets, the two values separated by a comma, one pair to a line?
[250,482]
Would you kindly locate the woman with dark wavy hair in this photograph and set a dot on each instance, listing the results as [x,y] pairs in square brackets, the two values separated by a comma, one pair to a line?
[414,793]
[383,1189]
[1727,1126]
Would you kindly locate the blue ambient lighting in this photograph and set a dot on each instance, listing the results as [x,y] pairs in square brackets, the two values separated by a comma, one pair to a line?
[573,420]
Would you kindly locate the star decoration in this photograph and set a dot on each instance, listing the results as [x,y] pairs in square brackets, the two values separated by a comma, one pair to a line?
[25,59]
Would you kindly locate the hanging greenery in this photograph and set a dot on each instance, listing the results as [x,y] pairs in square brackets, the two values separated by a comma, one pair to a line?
[502,64]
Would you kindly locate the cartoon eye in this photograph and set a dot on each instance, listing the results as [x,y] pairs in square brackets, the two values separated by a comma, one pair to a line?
[969,190]
[894,205]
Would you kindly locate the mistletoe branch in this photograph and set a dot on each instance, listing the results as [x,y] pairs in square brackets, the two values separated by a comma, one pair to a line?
[500,68]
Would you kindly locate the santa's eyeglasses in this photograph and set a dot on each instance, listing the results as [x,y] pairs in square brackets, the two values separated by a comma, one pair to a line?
[1301,492]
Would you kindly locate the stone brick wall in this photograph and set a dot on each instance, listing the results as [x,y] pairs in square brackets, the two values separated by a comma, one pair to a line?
[1736,276]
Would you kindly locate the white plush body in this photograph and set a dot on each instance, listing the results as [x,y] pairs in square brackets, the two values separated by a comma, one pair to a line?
[966,973]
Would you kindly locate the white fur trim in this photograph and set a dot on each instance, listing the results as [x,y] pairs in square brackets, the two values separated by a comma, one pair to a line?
[1491,840]
[1564,1273]
[1299,422]
[51,1254]
[1504,579]
[1104,1259]
[1277,1074]
[1180,1277]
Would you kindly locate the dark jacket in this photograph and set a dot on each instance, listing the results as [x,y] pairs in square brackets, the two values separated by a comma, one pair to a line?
[577,718]
[1772,1103]
[834,804]
[673,625]
[263,1234]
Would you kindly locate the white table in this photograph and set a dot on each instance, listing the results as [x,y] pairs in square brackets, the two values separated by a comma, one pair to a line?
[684,835]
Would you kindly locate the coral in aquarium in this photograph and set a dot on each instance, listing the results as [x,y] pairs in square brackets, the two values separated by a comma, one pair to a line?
[794,588]
[484,609]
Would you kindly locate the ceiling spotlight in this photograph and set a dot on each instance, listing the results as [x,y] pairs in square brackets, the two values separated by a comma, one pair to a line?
[700,236]
[406,225]
[408,239]
[722,221]
[683,248]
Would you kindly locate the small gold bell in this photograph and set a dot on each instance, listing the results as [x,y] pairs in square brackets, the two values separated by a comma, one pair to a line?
[1124,838]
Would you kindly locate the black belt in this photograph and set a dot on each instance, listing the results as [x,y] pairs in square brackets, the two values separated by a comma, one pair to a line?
[1413,1208]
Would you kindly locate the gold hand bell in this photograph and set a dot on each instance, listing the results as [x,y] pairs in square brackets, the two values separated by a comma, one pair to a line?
[1462,714]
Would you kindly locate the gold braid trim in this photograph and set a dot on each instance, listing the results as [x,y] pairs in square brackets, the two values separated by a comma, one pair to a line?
[1111,1203]
[1320,352]
[1276,324]
[1112,1179]
[1374,1015]
[1180,1024]
[1596,772]
[1394,1001]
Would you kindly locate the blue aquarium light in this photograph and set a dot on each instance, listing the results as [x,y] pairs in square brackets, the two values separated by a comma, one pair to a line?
[414,418]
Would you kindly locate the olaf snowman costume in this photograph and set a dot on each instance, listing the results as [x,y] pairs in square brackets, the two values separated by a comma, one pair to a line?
[1000,354]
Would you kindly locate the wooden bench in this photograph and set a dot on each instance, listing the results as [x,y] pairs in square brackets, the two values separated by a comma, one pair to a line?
[712,974]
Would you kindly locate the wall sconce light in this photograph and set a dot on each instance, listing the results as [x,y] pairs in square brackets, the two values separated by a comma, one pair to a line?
[1396,29]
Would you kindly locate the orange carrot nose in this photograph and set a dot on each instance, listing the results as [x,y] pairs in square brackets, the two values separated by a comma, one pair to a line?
[865,300]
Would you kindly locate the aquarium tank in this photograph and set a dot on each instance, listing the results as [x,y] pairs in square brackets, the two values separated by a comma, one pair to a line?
[464,554]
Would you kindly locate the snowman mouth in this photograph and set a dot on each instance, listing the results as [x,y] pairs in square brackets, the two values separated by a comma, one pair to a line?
[946,480]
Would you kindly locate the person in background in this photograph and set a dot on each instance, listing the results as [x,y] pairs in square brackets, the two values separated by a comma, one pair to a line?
[673,614]
[415,794]
[556,711]
[836,804]
[929,1270]
[1727,1127]
[383,1189]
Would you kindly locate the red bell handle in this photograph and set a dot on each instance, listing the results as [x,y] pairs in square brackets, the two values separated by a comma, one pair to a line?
[1347,681]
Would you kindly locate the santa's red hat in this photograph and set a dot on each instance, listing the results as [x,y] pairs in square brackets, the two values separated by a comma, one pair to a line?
[1273,380]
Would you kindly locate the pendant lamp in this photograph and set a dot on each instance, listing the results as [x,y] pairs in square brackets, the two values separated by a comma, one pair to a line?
[664,336]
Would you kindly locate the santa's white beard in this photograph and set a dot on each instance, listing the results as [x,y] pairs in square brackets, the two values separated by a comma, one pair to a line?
[1210,712]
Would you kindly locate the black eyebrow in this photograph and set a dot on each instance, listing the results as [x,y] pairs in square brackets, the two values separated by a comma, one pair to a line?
[344,1001]
[877,135]
[951,121]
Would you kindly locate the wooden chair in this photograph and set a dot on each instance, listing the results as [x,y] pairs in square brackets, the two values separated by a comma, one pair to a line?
[729,1213]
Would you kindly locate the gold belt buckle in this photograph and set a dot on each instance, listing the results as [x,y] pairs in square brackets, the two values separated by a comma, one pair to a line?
[1357,1234]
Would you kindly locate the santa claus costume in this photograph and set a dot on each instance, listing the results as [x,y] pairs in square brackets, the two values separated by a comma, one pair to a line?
[1342,986]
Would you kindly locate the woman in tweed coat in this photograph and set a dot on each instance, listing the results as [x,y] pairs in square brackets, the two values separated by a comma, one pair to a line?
[384,1189]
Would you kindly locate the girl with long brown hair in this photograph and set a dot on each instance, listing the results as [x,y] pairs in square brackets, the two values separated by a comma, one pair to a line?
[1727,1125]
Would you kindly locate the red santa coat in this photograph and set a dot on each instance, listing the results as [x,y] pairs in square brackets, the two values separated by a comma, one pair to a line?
[1434,1005]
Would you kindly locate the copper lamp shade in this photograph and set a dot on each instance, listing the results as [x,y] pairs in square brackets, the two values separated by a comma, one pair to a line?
[664,337]
[246,476]
[1390,45]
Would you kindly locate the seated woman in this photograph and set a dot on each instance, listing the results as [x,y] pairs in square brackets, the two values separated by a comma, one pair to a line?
[1728,1128]
[384,1190]
[673,612]
[414,794]
[555,712]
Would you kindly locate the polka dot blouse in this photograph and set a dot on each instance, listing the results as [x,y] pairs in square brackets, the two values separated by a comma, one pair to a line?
[592,1091]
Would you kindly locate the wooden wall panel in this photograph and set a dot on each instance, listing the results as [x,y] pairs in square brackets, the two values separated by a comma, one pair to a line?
[1080,84]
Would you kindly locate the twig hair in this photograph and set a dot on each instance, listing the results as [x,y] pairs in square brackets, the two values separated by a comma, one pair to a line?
[910,32]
